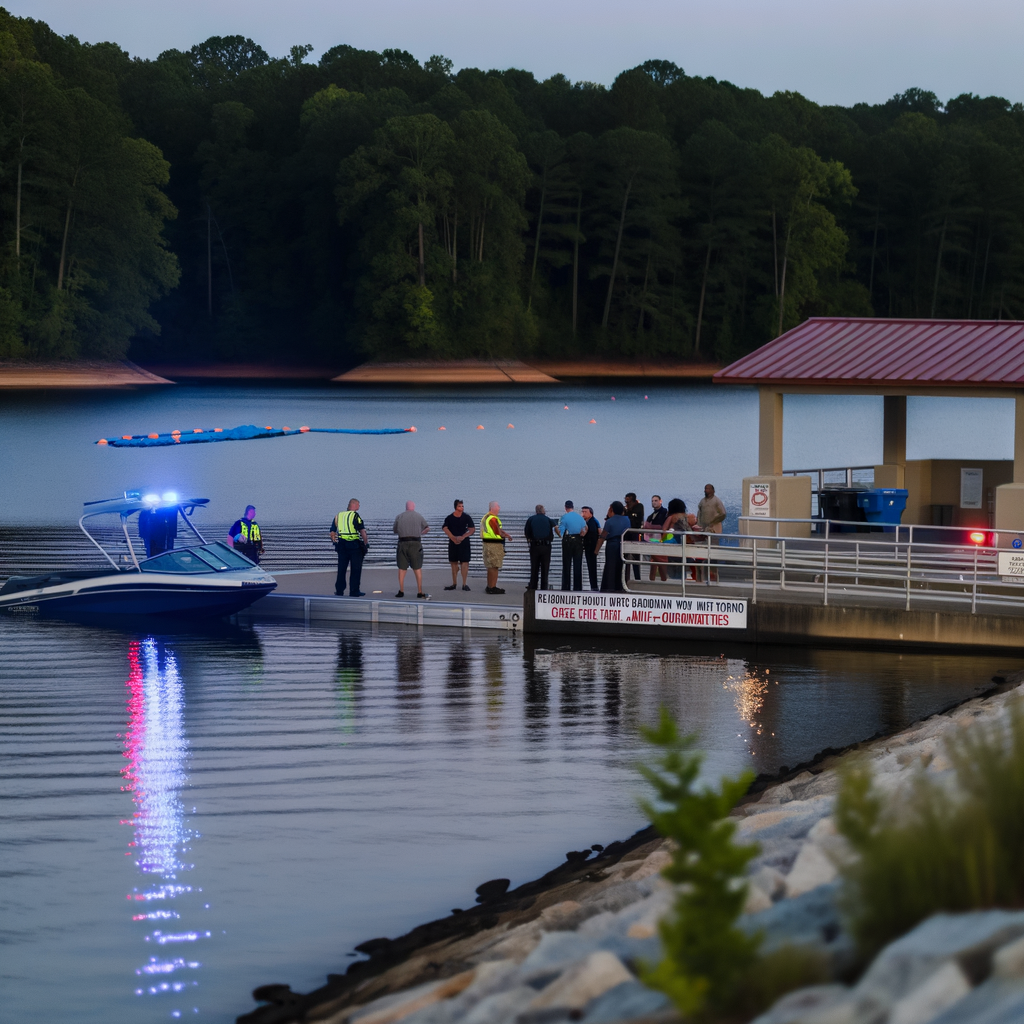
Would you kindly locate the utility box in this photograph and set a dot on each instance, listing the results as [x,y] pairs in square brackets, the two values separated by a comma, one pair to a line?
[776,497]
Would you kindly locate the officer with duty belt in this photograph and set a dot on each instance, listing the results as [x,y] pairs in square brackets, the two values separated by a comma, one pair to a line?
[572,528]
[348,535]
[538,533]
[246,536]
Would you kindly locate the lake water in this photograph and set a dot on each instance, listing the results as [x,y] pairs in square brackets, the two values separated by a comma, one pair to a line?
[185,817]
[668,440]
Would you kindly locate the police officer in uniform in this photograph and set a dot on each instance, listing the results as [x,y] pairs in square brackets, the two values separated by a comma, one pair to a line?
[348,535]
[246,537]
[538,532]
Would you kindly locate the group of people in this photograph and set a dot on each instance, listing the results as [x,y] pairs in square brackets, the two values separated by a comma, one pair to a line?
[581,534]
[582,537]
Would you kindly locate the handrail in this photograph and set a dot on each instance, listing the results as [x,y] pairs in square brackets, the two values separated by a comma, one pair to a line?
[836,566]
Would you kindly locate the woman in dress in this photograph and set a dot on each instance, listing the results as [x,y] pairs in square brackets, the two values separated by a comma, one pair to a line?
[675,527]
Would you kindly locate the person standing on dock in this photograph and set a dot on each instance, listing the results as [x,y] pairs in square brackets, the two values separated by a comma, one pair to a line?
[348,535]
[573,529]
[656,520]
[635,512]
[493,537]
[410,527]
[245,535]
[458,528]
[710,517]
[590,542]
[539,534]
[615,525]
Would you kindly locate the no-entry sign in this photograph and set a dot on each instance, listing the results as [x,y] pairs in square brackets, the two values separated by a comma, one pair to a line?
[759,500]
[632,609]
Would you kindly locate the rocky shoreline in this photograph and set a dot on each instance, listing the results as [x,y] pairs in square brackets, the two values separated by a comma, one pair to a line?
[566,946]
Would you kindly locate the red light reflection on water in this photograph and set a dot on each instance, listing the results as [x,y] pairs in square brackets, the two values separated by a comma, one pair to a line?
[156,751]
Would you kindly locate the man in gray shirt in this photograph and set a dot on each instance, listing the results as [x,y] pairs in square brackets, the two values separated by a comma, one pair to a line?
[410,527]
[710,516]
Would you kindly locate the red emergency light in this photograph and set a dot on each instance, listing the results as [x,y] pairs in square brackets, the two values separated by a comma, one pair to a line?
[977,537]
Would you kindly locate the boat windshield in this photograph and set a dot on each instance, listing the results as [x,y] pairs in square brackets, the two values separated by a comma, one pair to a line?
[216,557]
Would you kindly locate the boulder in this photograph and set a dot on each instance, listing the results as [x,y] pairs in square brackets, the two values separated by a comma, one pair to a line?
[583,982]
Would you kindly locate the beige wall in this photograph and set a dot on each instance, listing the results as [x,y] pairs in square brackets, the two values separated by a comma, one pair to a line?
[789,497]
[937,482]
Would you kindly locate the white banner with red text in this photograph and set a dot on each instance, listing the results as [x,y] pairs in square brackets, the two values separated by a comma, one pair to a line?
[644,609]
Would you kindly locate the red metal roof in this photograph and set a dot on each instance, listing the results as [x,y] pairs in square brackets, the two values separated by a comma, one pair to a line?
[855,351]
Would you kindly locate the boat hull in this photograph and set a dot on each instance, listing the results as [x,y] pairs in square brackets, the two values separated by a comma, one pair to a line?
[117,598]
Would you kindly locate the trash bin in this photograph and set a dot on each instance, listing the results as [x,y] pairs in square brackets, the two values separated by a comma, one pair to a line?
[840,503]
[883,505]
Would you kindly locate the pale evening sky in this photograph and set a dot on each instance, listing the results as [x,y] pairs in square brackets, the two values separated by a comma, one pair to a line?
[832,52]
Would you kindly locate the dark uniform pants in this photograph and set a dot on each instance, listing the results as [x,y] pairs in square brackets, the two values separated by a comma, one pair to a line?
[612,578]
[591,556]
[540,563]
[350,553]
[572,560]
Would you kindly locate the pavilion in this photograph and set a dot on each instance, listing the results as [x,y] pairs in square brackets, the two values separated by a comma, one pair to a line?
[894,359]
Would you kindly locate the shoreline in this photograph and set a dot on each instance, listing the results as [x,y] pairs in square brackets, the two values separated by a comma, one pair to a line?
[447,373]
[32,376]
[486,953]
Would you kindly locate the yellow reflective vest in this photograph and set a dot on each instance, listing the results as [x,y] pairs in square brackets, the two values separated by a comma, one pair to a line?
[250,532]
[345,526]
[490,531]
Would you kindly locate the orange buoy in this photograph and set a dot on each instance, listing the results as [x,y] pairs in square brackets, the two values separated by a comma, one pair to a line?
[196,430]
[613,398]
[565,407]
[176,440]
[479,426]
[511,427]
[153,436]
[218,430]
[412,430]
[593,421]
[304,430]
[645,398]
[126,437]
[175,433]
[102,440]
[442,428]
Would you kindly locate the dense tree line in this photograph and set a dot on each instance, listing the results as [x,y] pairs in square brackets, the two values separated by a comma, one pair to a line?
[371,205]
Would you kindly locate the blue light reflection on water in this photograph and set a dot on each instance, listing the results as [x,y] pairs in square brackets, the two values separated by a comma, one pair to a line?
[157,753]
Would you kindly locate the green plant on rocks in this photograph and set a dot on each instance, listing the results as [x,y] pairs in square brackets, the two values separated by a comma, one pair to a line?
[937,848]
[707,957]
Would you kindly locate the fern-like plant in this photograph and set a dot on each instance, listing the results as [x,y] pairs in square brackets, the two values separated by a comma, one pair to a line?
[706,955]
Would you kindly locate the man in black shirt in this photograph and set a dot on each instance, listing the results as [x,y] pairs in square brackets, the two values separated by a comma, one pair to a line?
[458,528]
[635,511]
[538,532]
[590,540]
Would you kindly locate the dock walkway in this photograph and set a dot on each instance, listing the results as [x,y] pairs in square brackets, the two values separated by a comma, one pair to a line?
[309,596]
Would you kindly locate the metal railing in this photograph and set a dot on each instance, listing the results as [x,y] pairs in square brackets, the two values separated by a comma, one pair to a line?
[880,568]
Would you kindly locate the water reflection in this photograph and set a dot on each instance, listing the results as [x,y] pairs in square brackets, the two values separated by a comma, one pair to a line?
[348,681]
[157,754]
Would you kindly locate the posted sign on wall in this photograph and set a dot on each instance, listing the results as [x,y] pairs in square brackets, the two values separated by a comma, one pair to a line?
[644,609]
[760,499]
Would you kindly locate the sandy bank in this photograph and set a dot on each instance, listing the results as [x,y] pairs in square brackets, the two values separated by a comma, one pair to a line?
[461,371]
[76,375]
[240,371]
[580,369]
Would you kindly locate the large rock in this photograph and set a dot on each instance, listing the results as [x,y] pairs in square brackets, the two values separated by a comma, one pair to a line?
[583,982]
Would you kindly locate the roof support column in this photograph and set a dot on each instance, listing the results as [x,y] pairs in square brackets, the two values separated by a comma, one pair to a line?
[1018,440]
[1010,497]
[769,453]
[894,430]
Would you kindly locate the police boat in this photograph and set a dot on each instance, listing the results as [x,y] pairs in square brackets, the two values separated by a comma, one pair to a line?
[194,580]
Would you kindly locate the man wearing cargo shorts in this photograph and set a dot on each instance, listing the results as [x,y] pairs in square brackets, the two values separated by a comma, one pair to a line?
[493,537]
[410,527]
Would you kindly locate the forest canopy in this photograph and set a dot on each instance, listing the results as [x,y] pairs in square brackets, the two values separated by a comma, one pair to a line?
[223,203]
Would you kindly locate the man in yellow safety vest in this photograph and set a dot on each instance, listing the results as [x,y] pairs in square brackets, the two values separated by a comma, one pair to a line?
[348,535]
[493,537]
[245,535]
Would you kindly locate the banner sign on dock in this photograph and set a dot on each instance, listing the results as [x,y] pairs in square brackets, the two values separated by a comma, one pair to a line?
[647,609]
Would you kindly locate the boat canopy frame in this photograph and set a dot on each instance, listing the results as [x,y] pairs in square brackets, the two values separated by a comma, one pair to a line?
[126,507]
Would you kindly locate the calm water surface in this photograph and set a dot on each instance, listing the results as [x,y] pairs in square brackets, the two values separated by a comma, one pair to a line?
[665,439]
[185,817]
